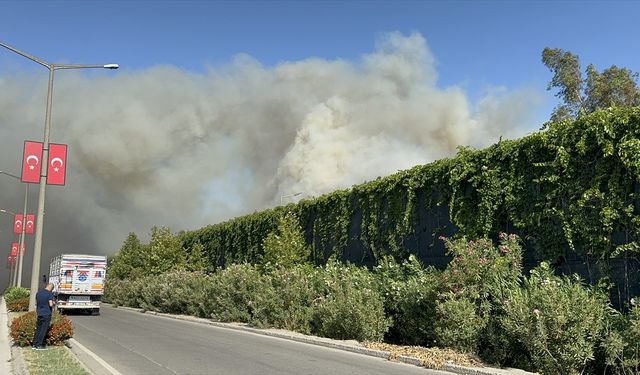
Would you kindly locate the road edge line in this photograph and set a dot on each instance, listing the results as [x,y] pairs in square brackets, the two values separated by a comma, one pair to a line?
[93,355]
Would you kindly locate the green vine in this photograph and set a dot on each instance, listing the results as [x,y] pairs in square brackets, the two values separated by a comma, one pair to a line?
[573,186]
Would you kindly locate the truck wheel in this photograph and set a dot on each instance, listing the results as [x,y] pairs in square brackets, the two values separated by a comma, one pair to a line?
[95,311]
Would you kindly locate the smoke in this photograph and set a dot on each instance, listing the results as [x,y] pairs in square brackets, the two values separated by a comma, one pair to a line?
[164,146]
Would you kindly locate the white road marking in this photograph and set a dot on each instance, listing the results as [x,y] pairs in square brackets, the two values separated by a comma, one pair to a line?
[104,364]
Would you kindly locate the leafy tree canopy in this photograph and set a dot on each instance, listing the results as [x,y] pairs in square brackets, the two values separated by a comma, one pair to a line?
[583,94]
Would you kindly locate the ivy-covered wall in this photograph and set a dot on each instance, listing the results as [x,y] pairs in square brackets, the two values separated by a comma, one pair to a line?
[570,191]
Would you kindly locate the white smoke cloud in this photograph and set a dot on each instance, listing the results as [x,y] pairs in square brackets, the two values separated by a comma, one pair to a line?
[164,146]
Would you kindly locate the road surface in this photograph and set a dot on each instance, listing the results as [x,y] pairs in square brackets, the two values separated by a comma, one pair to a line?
[135,343]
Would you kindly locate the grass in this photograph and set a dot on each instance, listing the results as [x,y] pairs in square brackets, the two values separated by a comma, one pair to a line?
[53,360]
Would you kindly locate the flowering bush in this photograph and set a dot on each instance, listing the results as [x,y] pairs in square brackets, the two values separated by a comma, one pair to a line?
[410,294]
[475,286]
[350,305]
[557,320]
[24,326]
[21,304]
[481,271]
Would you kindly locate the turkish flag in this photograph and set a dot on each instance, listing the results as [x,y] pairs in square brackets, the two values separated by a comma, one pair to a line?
[10,260]
[18,222]
[30,224]
[31,159]
[14,249]
[57,167]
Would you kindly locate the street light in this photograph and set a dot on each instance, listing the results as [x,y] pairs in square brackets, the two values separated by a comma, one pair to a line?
[37,248]
[289,196]
[17,277]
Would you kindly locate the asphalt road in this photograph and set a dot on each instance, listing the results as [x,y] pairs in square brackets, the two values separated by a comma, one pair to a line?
[134,343]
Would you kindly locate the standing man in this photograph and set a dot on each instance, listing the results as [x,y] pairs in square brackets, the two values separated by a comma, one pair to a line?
[44,305]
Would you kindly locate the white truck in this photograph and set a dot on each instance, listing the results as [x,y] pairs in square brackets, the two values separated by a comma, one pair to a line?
[78,281]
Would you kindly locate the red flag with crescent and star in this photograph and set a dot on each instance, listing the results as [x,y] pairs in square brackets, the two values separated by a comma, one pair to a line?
[31,159]
[18,222]
[10,260]
[57,168]
[14,249]
[30,224]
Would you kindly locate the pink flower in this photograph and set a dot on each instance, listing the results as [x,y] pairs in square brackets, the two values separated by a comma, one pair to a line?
[504,249]
[536,312]
[482,261]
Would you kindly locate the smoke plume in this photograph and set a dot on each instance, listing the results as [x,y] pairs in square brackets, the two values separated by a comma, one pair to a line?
[164,146]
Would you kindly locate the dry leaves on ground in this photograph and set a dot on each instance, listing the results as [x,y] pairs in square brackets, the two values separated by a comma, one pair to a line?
[433,358]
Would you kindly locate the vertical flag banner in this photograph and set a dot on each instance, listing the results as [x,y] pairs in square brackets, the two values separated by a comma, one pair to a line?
[57,168]
[18,222]
[14,249]
[31,159]
[30,224]
[10,261]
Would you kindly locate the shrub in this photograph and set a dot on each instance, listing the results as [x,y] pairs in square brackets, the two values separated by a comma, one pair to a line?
[621,344]
[176,292]
[125,292]
[482,272]
[15,293]
[288,302]
[410,294]
[457,324]
[557,320]
[230,294]
[24,326]
[350,306]
[21,304]
[474,287]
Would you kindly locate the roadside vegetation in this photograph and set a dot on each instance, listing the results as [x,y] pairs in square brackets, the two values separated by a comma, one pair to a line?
[17,299]
[54,360]
[342,265]
[481,304]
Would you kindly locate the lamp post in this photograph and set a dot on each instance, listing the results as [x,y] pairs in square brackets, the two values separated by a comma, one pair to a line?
[37,248]
[14,267]
[17,276]
[282,197]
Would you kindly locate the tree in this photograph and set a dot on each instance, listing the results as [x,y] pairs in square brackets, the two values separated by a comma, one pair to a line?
[164,252]
[128,262]
[197,259]
[567,79]
[614,87]
[286,246]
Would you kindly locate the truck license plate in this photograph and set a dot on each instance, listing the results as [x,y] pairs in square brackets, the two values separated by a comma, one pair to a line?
[79,298]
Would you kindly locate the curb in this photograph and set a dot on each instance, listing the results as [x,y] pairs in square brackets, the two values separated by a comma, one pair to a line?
[17,364]
[330,343]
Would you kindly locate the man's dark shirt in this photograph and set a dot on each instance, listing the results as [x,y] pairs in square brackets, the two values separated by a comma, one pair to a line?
[42,302]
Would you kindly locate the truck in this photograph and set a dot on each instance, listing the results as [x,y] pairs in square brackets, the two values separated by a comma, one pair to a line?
[78,281]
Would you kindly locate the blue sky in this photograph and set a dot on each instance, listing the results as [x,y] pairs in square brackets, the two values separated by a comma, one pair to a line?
[477,44]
